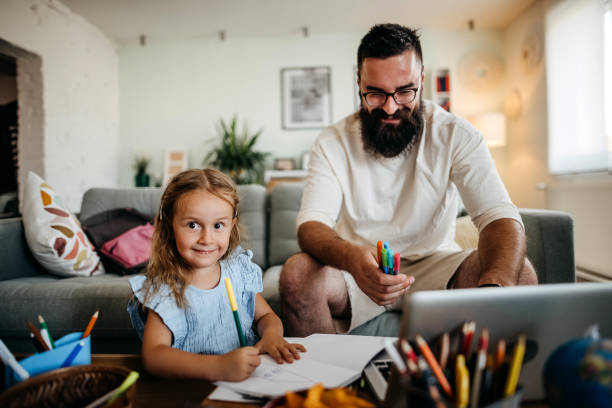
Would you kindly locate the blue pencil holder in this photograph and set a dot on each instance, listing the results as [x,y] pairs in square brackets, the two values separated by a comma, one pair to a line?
[50,360]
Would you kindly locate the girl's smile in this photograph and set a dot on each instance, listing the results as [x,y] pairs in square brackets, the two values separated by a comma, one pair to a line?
[202,226]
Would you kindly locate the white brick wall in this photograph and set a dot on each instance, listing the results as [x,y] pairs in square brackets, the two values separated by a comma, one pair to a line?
[72,137]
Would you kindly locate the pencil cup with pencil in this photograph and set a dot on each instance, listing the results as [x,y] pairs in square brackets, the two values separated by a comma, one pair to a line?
[449,374]
[70,350]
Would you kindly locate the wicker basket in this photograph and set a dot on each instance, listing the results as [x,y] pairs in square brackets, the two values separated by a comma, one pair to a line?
[68,387]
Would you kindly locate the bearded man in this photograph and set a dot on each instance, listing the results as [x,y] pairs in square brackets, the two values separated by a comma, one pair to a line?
[394,172]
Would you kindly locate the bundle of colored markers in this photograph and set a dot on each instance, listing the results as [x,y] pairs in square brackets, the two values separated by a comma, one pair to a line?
[448,372]
[388,261]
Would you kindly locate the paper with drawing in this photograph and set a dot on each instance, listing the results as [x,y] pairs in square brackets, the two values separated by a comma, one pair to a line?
[333,360]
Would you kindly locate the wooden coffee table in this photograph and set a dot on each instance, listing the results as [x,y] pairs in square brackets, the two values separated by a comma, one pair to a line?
[154,391]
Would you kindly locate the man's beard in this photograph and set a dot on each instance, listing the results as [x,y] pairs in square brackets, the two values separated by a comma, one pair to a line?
[390,140]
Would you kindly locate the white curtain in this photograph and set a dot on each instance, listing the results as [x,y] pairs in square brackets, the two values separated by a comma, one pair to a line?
[579,97]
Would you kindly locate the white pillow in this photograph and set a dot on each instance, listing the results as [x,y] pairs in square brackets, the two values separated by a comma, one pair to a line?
[54,235]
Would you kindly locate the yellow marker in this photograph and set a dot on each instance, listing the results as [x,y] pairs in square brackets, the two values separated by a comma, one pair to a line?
[515,366]
[234,306]
[462,382]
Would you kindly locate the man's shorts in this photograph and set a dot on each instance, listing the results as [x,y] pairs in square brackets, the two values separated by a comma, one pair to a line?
[433,272]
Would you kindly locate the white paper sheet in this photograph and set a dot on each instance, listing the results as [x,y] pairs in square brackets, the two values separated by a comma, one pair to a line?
[333,360]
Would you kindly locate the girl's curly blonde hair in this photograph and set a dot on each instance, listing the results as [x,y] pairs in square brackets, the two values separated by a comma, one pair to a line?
[166,266]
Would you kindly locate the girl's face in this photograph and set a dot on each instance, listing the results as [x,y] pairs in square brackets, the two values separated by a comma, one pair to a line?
[202,225]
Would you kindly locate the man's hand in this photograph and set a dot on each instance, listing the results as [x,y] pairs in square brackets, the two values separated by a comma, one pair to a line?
[381,288]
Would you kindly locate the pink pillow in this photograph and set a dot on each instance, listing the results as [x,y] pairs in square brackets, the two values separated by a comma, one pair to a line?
[131,248]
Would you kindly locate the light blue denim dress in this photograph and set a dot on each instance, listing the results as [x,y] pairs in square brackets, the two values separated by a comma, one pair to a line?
[206,325]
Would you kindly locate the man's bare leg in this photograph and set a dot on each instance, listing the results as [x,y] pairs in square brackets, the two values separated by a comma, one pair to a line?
[469,272]
[311,295]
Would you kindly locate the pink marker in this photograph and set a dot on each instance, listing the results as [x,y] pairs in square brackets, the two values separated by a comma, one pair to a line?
[396,262]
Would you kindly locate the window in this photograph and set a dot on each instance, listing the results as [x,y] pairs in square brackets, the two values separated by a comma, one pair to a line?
[579,79]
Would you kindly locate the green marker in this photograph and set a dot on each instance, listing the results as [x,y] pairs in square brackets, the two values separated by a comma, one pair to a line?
[234,306]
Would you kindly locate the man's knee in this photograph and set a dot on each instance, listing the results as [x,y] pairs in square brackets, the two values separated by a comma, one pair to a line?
[528,275]
[295,276]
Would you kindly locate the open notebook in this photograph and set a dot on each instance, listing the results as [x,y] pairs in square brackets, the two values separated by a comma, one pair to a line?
[333,360]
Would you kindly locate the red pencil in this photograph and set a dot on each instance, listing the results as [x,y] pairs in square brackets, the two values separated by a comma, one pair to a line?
[468,333]
[411,357]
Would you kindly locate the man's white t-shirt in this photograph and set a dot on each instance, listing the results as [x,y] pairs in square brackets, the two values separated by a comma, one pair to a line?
[410,200]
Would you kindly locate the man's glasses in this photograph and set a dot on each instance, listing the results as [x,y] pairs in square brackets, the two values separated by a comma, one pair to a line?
[376,99]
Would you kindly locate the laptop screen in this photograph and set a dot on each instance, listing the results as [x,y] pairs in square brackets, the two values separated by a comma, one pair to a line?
[548,315]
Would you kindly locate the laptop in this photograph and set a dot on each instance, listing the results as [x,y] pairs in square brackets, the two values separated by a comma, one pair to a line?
[548,315]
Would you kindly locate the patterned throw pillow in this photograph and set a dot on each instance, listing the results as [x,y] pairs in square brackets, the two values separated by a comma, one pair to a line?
[54,235]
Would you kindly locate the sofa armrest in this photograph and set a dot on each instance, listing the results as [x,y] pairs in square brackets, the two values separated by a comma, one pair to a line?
[550,244]
[16,259]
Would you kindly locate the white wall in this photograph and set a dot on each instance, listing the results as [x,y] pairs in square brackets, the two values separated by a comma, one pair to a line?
[587,198]
[80,110]
[173,93]
[526,148]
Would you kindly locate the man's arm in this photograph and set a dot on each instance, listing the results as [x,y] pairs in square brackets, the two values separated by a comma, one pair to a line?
[322,243]
[501,252]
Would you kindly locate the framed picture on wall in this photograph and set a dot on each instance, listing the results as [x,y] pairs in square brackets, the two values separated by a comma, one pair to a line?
[306,97]
[175,161]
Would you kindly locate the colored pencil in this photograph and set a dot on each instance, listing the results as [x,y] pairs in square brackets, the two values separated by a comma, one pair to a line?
[481,362]
[115,393]
[9,359]
[433,364]
[73,354]
[234,306]
[90,325]
[515,366]
[38,336]
[395,356]
[44,331]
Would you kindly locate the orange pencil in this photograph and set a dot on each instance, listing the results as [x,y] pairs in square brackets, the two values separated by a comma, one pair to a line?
[90,325]
[435,367]
[379,252]
[501,353]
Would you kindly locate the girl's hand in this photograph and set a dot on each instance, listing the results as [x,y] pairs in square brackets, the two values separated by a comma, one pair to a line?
[279,349]
[238,364]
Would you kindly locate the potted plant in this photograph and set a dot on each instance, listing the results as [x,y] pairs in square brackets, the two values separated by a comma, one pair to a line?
[236,155]
[140,164]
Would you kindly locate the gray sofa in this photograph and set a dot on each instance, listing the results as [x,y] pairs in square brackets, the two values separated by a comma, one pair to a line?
[27,290]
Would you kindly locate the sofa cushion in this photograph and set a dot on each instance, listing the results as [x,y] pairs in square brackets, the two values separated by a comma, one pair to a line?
[285,202]
[270,287]
[54,235]
[66,304]
[252,215]
[16,259]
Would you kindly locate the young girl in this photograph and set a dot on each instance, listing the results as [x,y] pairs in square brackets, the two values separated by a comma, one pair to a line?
[190,330]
